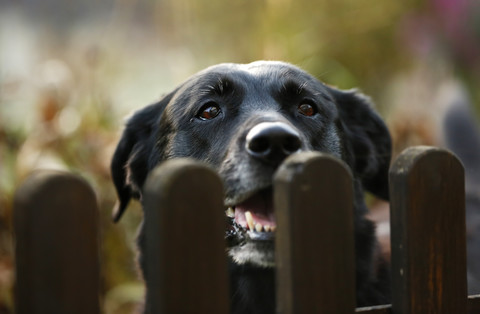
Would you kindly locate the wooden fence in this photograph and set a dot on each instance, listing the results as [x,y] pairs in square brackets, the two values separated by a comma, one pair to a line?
[56,226]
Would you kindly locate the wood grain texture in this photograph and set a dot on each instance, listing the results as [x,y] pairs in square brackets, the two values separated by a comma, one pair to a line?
[57,256]
[428,233]
[314,237]
[185,246]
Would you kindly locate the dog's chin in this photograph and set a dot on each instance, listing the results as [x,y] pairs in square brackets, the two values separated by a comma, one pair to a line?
[256,253]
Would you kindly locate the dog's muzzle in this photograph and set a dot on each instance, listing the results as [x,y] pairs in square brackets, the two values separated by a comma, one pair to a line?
[253,219]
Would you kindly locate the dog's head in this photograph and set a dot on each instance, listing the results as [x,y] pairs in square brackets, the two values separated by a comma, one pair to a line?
[244,120]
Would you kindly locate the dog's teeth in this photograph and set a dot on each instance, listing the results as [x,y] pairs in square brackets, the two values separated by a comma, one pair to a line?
[249,218]
[230,212]
[258,227]
[267,228]
[273,228]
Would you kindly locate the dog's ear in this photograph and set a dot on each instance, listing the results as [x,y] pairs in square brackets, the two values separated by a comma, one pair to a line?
[130,163]
[369,146]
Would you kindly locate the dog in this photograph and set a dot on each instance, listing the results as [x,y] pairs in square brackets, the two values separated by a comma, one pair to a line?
[243,120]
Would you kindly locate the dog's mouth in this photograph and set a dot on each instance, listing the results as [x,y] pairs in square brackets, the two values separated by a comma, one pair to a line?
[252,219]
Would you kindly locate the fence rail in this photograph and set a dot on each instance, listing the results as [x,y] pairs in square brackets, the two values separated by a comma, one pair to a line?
[56,220]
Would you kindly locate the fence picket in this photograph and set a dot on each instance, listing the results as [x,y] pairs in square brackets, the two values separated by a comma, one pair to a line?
[428,233]
[57,257]
[185,246]
[56,230]
[314,238]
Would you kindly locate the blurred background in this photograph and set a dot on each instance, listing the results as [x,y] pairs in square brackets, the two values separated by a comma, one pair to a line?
[71,71]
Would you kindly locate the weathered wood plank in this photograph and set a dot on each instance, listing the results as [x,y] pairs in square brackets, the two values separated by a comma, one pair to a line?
[428,233]
[185,246]
[57,256]
[314,241]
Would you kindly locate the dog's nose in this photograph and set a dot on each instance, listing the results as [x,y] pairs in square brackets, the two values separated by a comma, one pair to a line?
[272,141]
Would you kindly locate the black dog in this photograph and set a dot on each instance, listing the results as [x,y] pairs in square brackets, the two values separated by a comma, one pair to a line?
[244,120]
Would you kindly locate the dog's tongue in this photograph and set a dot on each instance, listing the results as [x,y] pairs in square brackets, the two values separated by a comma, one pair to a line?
[260,207]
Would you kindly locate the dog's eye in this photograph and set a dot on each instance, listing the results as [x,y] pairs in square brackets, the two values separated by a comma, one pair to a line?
[307,109]
[209,111]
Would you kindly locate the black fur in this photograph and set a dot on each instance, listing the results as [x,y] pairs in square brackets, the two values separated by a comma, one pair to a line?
[261,93]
